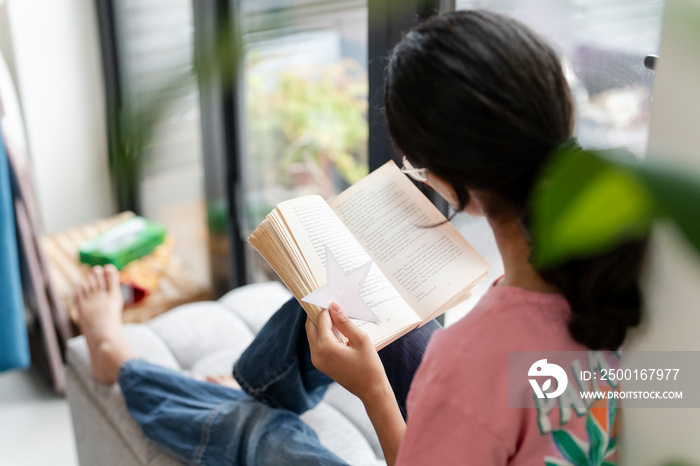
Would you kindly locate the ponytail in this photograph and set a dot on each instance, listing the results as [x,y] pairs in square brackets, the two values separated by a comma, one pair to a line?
[603,290]
[604,294]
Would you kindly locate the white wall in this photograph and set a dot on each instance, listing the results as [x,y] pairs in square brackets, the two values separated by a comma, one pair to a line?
[55,57]
[655,436]
[6,47]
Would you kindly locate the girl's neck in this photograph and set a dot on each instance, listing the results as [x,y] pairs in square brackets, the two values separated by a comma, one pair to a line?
[515,252]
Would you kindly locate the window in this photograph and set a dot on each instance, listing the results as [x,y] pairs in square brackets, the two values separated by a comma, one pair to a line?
[305,104]
[295,121]
[153,42]
[603,43]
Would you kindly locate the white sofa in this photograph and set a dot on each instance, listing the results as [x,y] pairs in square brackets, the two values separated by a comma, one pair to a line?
[199,339]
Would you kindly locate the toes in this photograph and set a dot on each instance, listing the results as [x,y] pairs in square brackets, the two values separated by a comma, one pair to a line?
[223,380]
[91,283]
[111,275]
[85,287]
[99,274]
[216,378]
[78,295]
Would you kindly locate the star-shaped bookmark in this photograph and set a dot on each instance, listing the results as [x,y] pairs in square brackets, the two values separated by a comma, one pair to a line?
[345,289]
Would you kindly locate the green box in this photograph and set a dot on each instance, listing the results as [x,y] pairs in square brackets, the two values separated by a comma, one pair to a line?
[124,243]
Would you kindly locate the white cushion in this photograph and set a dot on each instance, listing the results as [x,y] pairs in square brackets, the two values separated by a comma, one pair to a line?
[199,339]
[196,330]
[255,304]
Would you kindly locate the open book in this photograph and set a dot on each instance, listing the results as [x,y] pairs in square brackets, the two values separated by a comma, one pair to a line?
[419,270]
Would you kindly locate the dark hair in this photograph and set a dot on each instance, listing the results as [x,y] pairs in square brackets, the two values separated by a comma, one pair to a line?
[481,101]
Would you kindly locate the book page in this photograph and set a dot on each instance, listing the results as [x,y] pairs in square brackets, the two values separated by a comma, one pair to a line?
[395,223]
[313,225]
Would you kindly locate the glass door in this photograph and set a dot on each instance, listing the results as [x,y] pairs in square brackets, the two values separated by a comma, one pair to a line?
[148,48]
[305,104]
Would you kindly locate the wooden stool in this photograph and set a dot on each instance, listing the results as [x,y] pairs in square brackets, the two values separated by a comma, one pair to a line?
[175,287]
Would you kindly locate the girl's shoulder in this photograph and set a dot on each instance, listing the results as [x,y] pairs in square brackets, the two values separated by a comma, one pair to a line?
[510,318]
[476,347]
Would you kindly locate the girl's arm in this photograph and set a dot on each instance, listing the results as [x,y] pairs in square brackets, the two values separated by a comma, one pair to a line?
[384,413]
[357,367]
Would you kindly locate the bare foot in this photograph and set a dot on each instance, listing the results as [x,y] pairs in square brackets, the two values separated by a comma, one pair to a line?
[226,380]
[99,301]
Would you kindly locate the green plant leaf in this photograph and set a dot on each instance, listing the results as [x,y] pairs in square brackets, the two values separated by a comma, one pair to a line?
[676,191]
[585,203]
[589,201]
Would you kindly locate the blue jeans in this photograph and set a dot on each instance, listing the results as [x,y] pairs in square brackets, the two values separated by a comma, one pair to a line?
[203,423]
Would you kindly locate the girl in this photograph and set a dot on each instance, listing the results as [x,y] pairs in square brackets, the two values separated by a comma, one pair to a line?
[476,102]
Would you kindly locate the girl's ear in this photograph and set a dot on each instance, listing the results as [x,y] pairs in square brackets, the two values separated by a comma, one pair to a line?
[475,208]
[443,188]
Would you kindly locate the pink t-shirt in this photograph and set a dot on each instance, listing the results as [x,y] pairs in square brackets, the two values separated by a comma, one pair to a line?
[458,409]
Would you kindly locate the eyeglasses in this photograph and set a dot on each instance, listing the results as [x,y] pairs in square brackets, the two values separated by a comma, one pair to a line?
[418,174]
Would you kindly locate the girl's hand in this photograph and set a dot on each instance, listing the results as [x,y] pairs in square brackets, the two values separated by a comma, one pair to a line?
[355,365]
